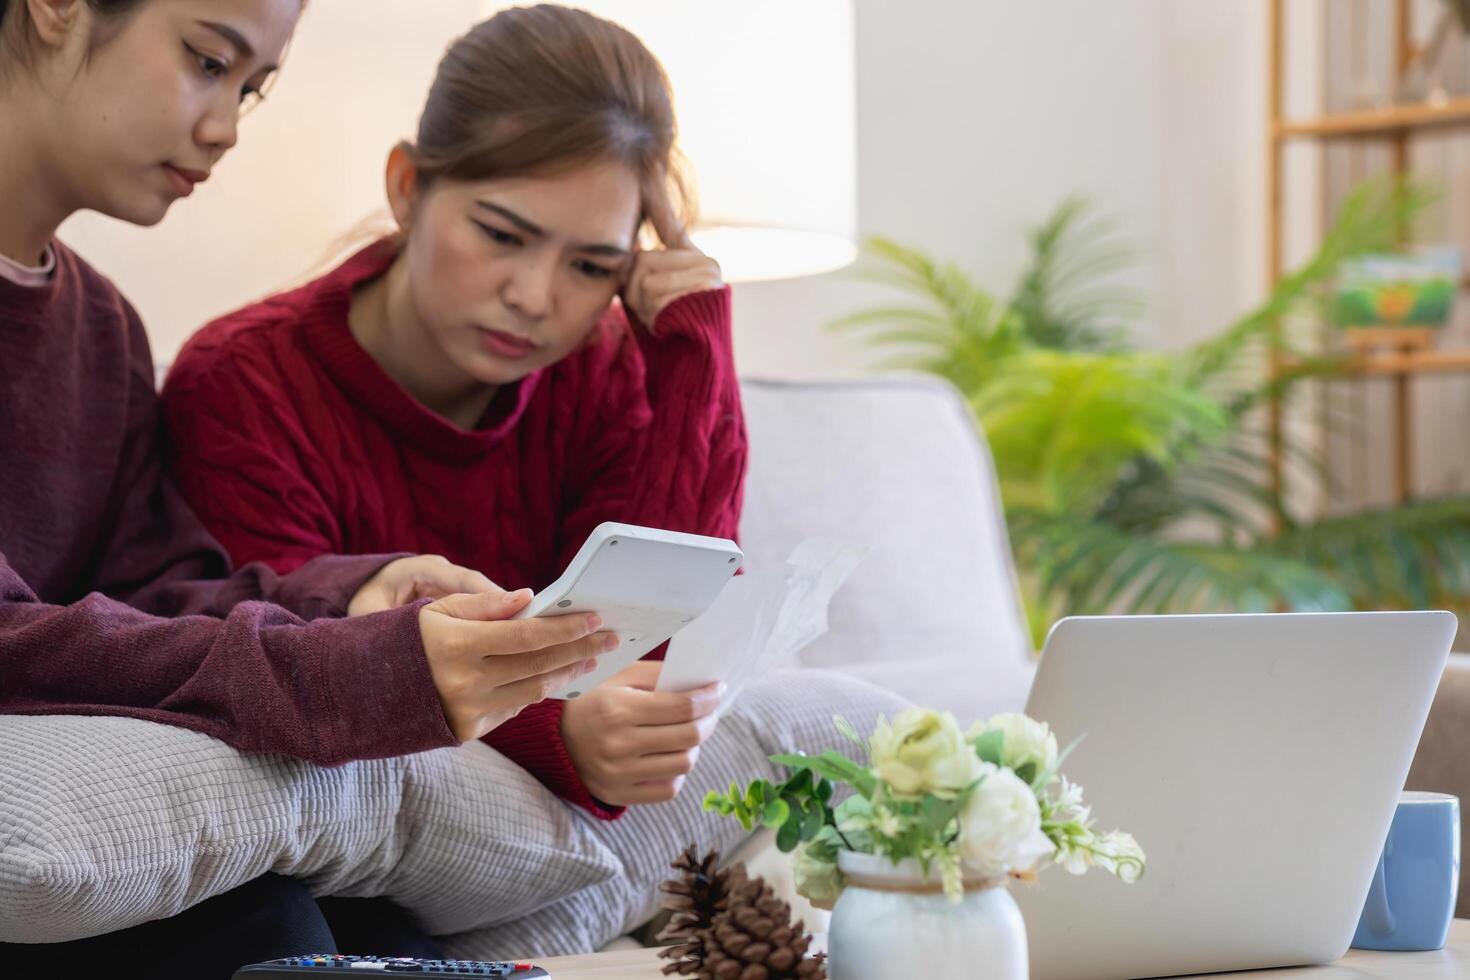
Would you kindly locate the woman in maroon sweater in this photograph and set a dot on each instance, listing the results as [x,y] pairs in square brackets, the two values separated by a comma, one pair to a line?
[507,372]
[113,598]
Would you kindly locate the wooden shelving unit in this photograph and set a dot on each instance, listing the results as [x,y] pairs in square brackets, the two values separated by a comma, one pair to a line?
[1387,121]
[1397,354]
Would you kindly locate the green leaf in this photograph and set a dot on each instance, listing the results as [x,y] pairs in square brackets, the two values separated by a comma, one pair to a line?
[777,812]
[936,814]
[988,746]
[800,782]
[816,817]
[845,729]
[831,765]
[789,835]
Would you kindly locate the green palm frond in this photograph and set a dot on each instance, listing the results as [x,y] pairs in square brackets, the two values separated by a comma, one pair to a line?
[1091,567]
[1069,297]
[1140,482]
[1410,556]
[1069,424]
[1372,218]
[956,330]
[1225,484]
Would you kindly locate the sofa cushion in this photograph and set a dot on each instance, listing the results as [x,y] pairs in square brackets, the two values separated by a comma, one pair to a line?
[109,822]
[899,467]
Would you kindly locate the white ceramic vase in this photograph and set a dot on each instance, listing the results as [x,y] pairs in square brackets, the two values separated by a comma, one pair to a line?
[893,921]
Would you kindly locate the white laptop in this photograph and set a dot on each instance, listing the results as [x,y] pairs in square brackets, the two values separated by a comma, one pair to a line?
[1258,760]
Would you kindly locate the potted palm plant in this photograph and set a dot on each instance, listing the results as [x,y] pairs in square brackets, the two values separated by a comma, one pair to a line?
[1137,481]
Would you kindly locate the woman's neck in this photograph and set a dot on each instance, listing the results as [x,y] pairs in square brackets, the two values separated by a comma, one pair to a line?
[384,321]
[28,200]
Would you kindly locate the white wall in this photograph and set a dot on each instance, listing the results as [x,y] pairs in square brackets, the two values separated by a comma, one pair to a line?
[975,118]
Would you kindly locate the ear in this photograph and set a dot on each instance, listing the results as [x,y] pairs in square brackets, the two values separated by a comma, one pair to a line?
[53,21]
[402,179]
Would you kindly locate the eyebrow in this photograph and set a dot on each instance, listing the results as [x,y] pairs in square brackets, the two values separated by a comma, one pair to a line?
[235,38]
[613,251]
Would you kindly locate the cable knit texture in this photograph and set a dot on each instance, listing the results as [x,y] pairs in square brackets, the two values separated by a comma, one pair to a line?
[115,600]
[292,442]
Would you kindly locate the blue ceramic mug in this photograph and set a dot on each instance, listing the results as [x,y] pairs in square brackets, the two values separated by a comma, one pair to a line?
[1412,898]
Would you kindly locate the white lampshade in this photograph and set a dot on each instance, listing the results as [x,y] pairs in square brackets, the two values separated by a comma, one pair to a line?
[765,95]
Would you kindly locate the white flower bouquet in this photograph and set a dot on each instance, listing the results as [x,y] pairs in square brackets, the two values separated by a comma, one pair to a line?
[989,803]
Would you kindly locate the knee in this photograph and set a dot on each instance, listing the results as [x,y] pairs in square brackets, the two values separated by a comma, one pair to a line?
[267,918]
[797,706]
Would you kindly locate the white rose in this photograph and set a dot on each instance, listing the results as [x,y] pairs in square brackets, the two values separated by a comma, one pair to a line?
[1026,741]
[1000,826]
[818,881]
[923,752]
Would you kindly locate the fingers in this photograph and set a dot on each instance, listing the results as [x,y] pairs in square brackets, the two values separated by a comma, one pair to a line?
[459,579]
[502,669]
[434,576]
[641,675]
[666,224]
[539,687]
[662,288]
[664,766]
[544,633]
[658,739]
[655,708]
[668,261]
[666,276]
[482,606]
[659,791]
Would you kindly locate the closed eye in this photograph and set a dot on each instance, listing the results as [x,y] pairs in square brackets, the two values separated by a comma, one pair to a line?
[497,236]
[592,270]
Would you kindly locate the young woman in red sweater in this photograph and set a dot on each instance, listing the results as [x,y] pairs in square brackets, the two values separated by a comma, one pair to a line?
[509,370]
[113,598]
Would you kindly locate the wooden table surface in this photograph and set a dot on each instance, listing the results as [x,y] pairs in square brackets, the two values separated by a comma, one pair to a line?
[1450,963]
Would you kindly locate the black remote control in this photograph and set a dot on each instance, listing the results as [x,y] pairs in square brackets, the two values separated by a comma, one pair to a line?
[322,964]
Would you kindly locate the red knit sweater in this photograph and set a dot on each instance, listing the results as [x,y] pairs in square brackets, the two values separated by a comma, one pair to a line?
[292,443]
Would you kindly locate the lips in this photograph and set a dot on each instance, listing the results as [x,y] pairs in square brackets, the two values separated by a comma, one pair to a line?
[184,179]
[504,344]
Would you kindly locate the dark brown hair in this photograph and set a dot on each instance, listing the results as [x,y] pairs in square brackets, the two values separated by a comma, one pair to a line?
[541,89]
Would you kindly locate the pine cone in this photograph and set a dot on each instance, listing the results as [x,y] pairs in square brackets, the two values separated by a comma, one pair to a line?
[751,938]
[697,895]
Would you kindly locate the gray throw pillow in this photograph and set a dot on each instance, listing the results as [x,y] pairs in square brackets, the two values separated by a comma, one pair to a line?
[109,822]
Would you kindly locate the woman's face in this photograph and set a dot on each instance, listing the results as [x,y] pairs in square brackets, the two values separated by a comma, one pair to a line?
[509,276]
[147,114]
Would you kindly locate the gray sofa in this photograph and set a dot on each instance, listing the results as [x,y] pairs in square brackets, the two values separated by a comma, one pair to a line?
[932,614]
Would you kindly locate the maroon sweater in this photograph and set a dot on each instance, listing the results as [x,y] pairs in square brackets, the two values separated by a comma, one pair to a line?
[292,442]
[114,600]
